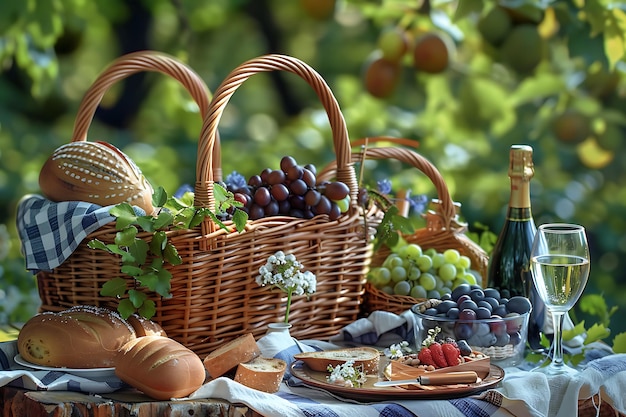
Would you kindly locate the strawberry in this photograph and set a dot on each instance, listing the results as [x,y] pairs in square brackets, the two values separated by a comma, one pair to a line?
[451,353]
[426,357]
[437,354]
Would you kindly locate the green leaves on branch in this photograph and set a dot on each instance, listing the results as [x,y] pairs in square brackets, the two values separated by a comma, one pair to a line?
[619,343]
[146,261]
[594,305]
[391,227]
[610,21]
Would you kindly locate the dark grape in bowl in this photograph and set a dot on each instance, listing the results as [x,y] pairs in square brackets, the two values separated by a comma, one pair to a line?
[490,322]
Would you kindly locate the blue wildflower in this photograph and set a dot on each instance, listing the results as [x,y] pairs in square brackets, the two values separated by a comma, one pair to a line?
[418,203]
[384,186]
[236,181]
[182,190]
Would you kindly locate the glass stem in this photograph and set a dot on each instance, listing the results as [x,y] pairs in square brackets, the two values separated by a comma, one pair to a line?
[557,319]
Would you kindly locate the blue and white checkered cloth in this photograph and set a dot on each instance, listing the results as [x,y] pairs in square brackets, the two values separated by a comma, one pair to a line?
[521,393]
[19,376]
[50,231]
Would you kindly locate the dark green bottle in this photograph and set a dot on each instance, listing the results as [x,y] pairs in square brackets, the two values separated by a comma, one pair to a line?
[509,263]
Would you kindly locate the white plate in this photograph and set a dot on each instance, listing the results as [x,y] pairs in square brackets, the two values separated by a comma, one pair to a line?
[85,373]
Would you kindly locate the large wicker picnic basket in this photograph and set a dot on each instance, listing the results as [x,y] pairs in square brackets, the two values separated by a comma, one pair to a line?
[442,231]
[215,297]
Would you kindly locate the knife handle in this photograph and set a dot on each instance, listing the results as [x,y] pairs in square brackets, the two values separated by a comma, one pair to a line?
[463,377]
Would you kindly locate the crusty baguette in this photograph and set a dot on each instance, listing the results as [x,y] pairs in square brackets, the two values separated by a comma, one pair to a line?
[145,327]
[229,355]
[319,361]
[160,367]
[263,374]
[79,337]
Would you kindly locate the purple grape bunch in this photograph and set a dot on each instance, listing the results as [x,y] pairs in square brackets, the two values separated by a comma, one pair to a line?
[291,190]
[483,317]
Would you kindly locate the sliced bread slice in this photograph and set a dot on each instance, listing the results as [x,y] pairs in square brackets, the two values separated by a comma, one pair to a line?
[368,357]
[226,357]
[263,374]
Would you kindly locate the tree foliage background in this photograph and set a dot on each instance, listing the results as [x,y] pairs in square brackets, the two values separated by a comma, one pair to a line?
[570,105]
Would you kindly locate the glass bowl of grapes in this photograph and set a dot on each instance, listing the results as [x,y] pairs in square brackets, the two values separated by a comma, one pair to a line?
[490,322]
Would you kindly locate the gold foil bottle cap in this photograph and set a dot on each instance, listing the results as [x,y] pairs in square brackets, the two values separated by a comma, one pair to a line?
[521,162]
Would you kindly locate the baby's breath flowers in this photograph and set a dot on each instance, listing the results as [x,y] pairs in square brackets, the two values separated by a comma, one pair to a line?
[398,350]
[346,374]
[283,271]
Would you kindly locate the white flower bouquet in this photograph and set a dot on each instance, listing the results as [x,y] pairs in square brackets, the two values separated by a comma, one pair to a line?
[283,271]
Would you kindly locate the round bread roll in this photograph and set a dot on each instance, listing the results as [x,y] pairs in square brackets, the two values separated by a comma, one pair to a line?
[80,337]
[263,374]
[96,172]
[226,357]
[160,367]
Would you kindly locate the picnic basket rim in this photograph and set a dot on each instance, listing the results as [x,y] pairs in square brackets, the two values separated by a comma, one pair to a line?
[217,274]
[441,230]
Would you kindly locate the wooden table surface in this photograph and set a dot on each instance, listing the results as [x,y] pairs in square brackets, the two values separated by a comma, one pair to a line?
[17,402]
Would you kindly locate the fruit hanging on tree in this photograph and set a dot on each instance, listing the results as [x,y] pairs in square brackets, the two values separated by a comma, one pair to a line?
[571,127]
[381,76]
[432,53]
[495,25]
[393,43]
[319,9]
[523,49]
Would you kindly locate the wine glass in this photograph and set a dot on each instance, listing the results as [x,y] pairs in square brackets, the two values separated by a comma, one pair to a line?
[560,269]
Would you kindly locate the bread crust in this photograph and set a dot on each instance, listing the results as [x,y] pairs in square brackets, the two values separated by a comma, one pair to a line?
[263,374]
[80,337]
[96,172]
[228,356]
[367,357]
[145,327]
[160,367]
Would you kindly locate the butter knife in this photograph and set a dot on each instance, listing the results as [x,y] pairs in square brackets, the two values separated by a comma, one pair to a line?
[463,377]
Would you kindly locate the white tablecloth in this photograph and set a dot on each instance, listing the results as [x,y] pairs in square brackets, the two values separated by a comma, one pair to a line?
[521,393]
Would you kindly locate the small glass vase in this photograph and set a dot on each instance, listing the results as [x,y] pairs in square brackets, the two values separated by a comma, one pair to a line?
[280,327]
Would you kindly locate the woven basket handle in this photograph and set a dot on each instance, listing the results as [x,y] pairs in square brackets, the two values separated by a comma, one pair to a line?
[128,65]
[408,156]
[204,196]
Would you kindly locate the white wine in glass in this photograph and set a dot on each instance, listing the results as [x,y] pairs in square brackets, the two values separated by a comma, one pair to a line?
[560,269]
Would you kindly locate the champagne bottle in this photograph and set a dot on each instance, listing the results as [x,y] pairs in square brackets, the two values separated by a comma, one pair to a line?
[509,263]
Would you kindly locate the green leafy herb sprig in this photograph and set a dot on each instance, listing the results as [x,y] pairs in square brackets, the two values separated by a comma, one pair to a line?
[146,262]
[392,225]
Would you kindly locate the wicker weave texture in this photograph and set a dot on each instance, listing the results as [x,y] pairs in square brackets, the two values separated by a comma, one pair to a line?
[440,233]
[215,295]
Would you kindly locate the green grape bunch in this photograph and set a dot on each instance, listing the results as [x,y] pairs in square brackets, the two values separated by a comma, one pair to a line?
[410,270]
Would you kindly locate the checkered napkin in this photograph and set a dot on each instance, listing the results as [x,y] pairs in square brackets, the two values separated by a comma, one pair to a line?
[380,328]
[50,232]
[16,375]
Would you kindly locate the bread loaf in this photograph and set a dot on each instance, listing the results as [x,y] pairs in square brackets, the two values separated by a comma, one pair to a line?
[228,356]
[80,337]
[160,367]
[96,172]
[145,327]
[368,357]
[263,374]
